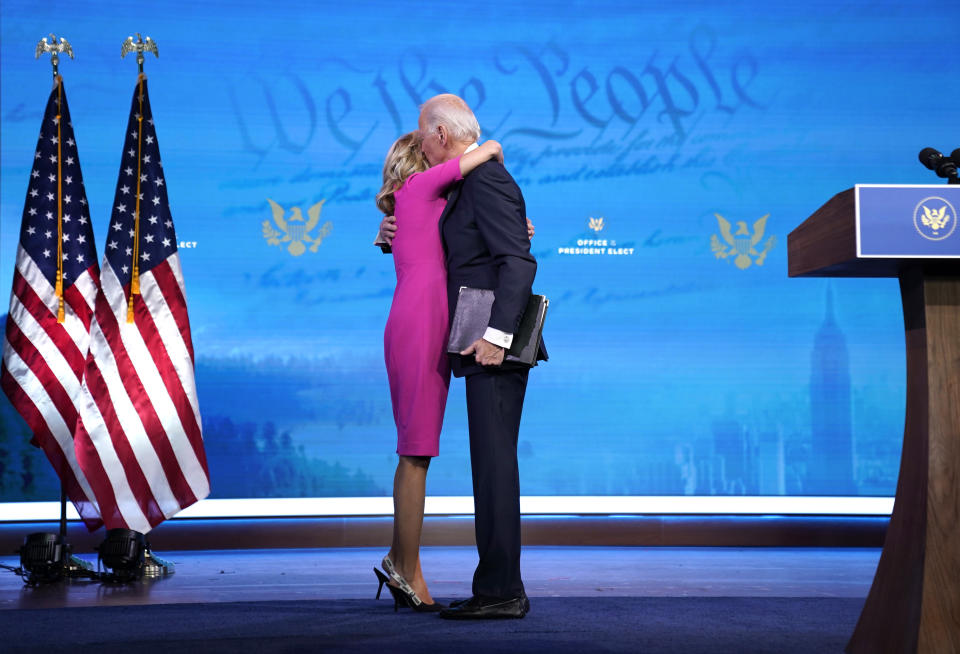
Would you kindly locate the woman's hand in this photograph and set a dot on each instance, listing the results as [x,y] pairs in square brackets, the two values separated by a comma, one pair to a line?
[493,150]
[530,230]
[388,229]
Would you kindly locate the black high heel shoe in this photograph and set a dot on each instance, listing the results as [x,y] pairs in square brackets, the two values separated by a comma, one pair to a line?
[403,597]
[384,579]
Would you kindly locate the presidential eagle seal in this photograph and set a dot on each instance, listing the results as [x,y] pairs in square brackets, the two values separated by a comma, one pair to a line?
[935,218]
[741,245]
[294,230]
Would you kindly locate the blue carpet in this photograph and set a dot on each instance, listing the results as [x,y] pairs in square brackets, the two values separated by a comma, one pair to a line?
[640,625]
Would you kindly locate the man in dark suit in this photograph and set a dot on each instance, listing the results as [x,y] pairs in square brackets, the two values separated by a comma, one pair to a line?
[484,231]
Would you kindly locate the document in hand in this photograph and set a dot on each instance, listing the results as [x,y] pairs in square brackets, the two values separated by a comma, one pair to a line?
[473,315]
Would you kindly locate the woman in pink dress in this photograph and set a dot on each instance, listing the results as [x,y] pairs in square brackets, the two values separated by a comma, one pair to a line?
[414,344]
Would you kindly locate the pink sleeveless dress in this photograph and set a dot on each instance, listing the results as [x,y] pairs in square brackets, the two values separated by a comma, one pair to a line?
[415,339]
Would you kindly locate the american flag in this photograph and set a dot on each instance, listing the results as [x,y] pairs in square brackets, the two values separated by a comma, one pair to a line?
[43,358]
[139,417]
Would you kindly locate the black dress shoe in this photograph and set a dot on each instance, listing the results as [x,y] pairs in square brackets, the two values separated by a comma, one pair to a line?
[479,608]
[526,602]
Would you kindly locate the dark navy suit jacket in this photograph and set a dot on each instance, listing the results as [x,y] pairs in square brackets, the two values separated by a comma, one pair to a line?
[484,232]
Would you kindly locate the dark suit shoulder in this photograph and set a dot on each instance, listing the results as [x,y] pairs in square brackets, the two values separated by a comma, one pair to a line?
[491,169]
[491,173]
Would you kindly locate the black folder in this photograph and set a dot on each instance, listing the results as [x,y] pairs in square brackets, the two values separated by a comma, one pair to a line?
[473,315]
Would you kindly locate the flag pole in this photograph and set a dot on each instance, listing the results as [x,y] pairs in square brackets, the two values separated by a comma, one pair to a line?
[122,539]
[54,48]
[48,557]
[63,511]
[139,46]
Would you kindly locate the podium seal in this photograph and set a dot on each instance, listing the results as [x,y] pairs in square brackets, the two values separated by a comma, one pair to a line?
[935,218]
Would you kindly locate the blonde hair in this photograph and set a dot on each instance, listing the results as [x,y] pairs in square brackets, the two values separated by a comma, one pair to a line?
[403,159]
[452,112]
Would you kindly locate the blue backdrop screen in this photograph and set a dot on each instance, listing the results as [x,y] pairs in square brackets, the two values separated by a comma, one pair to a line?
[635,131]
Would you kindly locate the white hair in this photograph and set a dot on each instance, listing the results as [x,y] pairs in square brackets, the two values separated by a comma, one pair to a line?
[454,114]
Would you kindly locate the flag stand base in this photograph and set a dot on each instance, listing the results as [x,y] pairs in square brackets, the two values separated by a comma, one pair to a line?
[127,557]
[48,557]
[154,567]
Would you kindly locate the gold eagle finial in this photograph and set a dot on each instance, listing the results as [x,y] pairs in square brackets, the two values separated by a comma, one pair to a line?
[139,46]
[54,49]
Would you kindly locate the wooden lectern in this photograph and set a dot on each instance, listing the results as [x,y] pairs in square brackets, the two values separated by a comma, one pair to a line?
[914,603]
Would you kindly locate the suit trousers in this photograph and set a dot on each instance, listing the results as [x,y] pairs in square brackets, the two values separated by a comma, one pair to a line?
[494,405]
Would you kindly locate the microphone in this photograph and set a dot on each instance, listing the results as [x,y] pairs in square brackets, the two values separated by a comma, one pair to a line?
[935,161]
[955,155]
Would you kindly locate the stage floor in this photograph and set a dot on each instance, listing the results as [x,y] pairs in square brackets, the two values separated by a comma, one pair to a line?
[346,574]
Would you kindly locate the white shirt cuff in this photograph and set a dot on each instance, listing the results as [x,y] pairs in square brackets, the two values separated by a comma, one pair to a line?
[498,337]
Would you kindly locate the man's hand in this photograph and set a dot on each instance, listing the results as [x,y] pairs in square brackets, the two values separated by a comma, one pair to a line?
[530,229]
[388,229]
[485,353]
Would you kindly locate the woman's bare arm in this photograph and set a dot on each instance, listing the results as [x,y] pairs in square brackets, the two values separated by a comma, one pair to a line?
[489,150]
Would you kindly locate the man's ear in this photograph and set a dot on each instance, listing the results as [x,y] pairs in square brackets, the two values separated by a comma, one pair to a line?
[442,135]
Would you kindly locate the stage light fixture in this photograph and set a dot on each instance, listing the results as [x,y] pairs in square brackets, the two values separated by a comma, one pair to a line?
[43,558]
[122,553]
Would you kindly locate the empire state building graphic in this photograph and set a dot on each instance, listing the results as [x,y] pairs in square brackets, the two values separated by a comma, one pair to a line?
[831,467]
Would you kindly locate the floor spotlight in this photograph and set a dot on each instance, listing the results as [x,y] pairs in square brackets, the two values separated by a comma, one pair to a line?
[43,558]
[47,557]
[122,553]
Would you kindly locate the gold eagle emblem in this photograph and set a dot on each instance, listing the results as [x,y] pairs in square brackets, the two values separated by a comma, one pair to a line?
[294,229]
[596,224]
[935,219]
[742,245]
